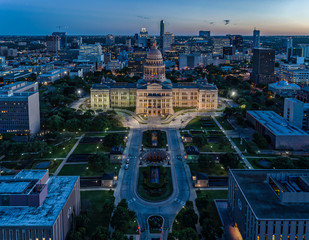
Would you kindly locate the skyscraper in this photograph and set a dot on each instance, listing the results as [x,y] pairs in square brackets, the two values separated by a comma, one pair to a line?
[53,44]
[63,38]
[142,37]
[161,32]
[256,38]
[263,66]
[289,48]
[168,40]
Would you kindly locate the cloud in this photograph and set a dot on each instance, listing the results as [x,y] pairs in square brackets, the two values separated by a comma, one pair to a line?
[226,22]
[142,17]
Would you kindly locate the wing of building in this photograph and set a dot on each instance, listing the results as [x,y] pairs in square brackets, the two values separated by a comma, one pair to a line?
[154,95]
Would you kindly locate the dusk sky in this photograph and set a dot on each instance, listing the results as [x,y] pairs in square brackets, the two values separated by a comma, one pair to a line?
[272,17]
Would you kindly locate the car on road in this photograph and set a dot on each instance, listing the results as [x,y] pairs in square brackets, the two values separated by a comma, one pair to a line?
[128,160]
[126,167]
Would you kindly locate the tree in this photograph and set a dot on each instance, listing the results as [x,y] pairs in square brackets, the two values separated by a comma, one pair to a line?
[98,161]
[113,139]
[200,140]
[210,230]
[187,216]
[188,234]
[122,216]
[100,233]
[282,163]
[229,160]
[205,161]
[260,140]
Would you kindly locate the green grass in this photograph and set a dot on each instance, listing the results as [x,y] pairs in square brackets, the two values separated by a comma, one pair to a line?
[162,140]
[255,162]
[92,202]
[218,170]
[178,109]
[196,124]
[101,134]
[62,150]
[242,146]
[142,192]
[88,148]
[224,123]
[81,170]
[211,208]
[52,167]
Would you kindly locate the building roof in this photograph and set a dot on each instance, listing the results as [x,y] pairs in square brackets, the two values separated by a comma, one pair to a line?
[276,124]
[284,85]
[154,54]
[263,200]
[59,189]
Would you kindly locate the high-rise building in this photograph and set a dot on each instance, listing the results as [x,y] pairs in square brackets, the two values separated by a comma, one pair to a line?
[189,60]
[53,44]
[237,42]
[204,34]
[20,108]
[63,38]
[263,66]
[142,38]
[228,50]
[296,112]
[128,43]
[269,204]
[256,39]
[110,39]
[34,205]
[218,44]
[289,48]
[91,52]
[162,29]
[168,40]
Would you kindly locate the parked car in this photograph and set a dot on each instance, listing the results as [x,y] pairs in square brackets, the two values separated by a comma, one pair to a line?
[126,167]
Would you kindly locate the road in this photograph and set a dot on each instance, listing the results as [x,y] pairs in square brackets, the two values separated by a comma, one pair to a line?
[128,184]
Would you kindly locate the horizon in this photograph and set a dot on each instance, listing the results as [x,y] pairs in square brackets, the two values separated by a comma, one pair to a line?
[278,18]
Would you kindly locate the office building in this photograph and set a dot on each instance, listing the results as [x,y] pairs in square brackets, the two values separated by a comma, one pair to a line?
[162,31]
[52,76]
[303,94]
[270,204]
[136,62]
[228,51]
[256,39]
[189,60]
[278,131]
[63,38]
[237,42]
[204,34]
[296,112]
[53,44]
[34,205]
[284,89]
[142,38]
[293,73]
[115,65]
[91,52]
[304,50]
[129,43]
[263,66]
[154,95]
[168,40]
[218,44]
[20,108]
[2,63]
[289,48]
[16,76]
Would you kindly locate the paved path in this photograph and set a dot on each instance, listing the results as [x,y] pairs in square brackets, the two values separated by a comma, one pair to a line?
[67,157]
[243,157]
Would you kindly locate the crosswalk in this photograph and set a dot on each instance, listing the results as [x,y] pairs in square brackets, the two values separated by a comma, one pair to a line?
[180,201]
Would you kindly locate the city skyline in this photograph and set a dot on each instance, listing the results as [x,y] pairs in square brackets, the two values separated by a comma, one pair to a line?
[181,18]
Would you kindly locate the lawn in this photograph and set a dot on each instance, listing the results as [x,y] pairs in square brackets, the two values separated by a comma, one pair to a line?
[95,134]
[216,147]
[92,202]
[83,170]
[178,109]
[89,148]
[54,164]
[224,123]
[61,151]
[197,124]
[161,138]
[218,170]
[142,191]
[242,146]
[211,208]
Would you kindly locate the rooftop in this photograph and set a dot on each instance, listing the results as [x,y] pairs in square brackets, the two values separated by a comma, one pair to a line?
[263,200]
[276,124]
[59,189]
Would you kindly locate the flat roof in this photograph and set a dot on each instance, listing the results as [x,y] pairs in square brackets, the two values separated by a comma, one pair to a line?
[263,200]
[59,189]
[31,174]
[8,187]
[276,124]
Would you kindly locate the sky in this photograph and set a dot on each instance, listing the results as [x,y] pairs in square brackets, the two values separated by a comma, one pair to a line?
[126,17]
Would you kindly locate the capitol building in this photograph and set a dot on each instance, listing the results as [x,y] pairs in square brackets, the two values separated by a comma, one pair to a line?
[154,95]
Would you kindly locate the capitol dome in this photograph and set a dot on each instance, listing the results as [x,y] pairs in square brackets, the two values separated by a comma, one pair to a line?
[154,54]
[154,68]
